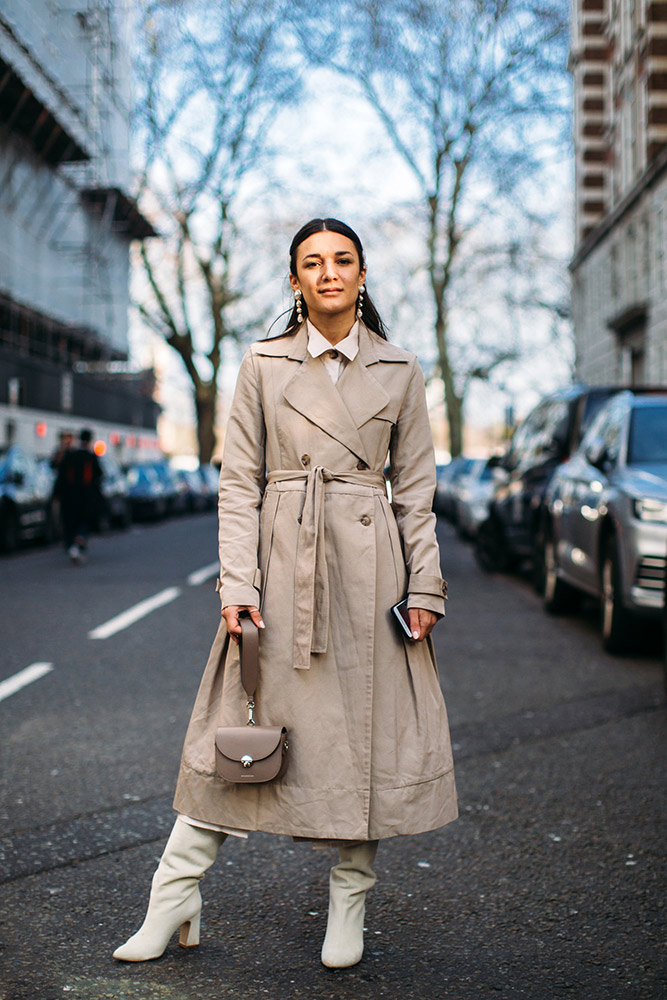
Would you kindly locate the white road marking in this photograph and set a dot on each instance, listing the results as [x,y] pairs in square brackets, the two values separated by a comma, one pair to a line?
[132,615]
[203,574]
[23,678]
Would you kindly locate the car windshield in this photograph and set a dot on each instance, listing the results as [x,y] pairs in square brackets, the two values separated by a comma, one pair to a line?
[648,435]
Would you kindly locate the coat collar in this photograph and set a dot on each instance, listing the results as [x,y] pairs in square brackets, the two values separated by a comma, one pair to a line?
[372,348]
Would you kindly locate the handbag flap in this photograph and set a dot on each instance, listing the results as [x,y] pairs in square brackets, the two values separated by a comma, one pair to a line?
[258,742]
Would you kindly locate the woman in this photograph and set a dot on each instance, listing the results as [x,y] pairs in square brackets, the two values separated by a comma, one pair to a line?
[307,536]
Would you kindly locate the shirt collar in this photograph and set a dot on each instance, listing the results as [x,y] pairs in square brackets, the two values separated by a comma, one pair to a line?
[318,344]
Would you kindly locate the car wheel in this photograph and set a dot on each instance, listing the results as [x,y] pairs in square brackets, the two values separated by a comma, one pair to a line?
[125,519]
[50,526]
[490,550]
[103,522]
[664,634]
[559,597]
[538,561]
[616,622]
[9,530]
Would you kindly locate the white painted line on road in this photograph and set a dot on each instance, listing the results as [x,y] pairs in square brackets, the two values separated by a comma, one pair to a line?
[24,677]
[132,615]
[204,574]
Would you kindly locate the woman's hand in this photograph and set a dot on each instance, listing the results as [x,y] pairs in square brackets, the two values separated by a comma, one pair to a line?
[231,615]
[421,622]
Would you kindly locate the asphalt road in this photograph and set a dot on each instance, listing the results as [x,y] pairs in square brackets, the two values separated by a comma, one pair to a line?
[551,884]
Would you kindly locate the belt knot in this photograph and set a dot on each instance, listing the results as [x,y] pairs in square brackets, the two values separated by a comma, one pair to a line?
[311,578]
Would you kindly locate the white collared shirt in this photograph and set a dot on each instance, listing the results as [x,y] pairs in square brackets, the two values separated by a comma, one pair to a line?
[333,358]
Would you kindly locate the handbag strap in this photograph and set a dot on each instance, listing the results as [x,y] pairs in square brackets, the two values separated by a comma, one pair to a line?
[249,652]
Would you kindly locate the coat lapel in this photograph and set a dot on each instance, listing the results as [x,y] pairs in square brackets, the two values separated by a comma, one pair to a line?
[361,392]
[313,394]
[340,409]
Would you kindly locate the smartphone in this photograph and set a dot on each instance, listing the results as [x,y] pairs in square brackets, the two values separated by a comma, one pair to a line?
[400,610]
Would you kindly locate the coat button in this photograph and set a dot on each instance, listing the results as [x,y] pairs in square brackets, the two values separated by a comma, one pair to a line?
[365,520]
[333,355]
[305,459]
[361,464]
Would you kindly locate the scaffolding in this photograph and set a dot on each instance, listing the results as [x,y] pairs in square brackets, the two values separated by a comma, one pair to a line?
[78,208]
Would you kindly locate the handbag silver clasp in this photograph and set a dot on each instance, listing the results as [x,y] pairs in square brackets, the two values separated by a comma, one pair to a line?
[251,718]
[247,760]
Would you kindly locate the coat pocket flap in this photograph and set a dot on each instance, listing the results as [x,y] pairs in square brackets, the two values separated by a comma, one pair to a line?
[236,742]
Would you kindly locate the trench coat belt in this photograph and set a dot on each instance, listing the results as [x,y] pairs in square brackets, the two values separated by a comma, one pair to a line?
[311,580]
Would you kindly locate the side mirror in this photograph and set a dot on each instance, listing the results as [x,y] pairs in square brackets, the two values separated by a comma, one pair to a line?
[596,452]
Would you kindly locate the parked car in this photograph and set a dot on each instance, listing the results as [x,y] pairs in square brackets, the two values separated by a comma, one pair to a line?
[473,497]
[174,489]
[26,507]
[664,631]
[446,485]
[605,528]
[210,475]
[116,505]
[146,492]
[548,436]
[195,490]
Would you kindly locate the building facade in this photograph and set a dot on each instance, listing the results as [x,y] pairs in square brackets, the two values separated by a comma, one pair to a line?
[67,218]
[619,268]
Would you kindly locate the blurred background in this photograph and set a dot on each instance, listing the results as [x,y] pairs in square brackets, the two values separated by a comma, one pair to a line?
[157,157]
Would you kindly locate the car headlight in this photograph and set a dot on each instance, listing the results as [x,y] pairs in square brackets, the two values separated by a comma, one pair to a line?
[651,510]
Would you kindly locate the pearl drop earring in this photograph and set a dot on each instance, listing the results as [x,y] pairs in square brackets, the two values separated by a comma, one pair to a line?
[297,301]
[360,301]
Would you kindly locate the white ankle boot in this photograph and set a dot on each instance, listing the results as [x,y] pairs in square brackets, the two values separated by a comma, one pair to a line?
[348,882]
[174,900]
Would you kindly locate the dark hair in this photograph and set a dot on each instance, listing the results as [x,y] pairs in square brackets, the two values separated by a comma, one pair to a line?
[369,314]
[86,436]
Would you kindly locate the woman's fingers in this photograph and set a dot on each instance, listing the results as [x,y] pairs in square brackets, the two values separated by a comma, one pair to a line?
[256,617]
[421,622]
[231,615]
[415,627]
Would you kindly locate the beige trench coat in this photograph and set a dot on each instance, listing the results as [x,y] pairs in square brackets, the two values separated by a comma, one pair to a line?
[307,534]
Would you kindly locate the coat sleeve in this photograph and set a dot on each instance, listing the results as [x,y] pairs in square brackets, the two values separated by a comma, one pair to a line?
[242,481]
[412,475]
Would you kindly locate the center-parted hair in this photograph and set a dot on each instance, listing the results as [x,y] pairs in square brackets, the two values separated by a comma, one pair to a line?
[369,314]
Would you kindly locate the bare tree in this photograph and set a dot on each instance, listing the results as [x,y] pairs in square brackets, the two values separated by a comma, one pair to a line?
[471,94]
[211,77]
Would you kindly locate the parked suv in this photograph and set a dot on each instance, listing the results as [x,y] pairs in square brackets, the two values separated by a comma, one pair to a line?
[546,438]
[606,517]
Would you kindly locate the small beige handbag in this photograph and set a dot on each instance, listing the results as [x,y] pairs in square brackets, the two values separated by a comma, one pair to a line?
[250,753]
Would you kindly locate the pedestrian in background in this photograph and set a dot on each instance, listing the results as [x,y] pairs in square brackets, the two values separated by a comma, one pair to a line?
[77,489]
[65,442]
[308,536]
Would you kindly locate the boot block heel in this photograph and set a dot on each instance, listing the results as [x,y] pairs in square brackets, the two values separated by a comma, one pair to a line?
[189,935]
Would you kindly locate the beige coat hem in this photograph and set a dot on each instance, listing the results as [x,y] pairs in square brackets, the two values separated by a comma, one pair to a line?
[394,812]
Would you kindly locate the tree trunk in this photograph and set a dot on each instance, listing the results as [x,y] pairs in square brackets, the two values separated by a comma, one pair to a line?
[453,402]
[205,400]
[455,420]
